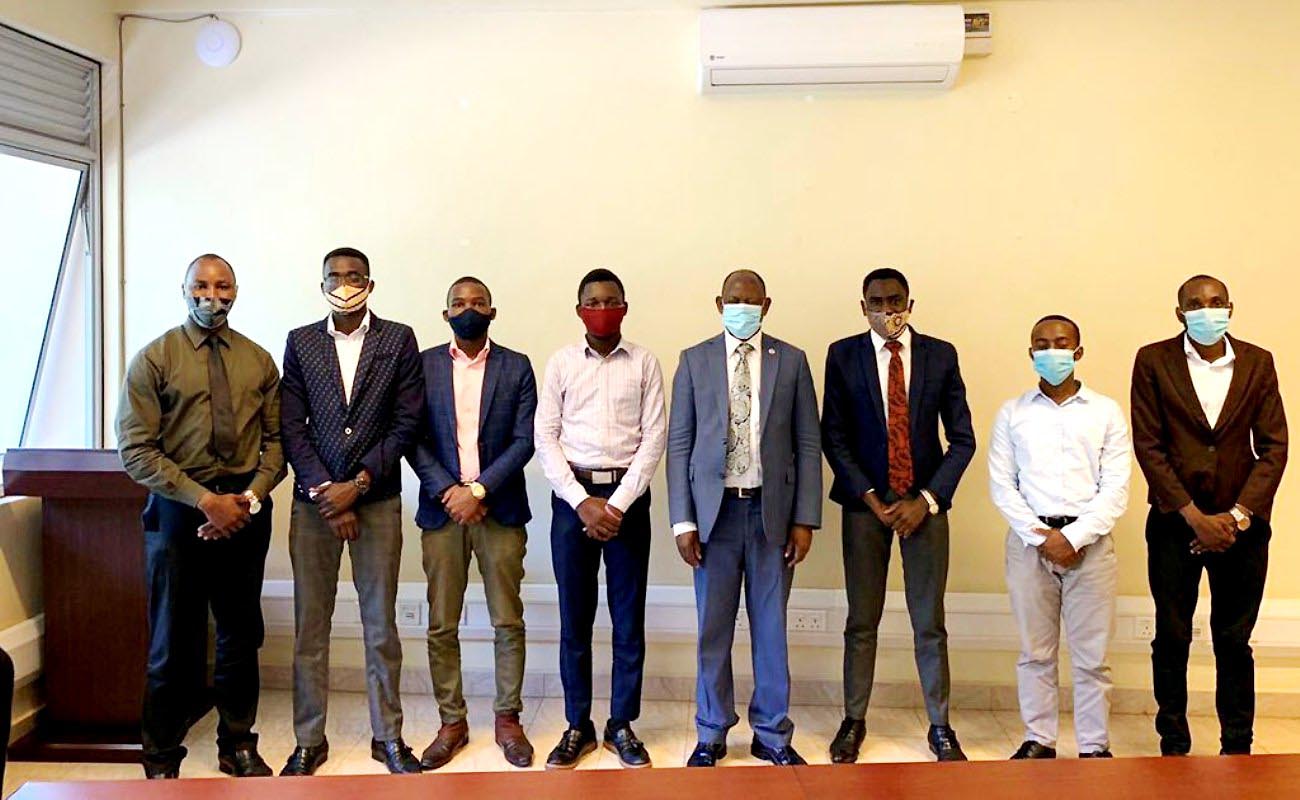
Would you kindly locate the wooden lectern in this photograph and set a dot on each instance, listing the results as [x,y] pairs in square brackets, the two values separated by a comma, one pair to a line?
[96,624]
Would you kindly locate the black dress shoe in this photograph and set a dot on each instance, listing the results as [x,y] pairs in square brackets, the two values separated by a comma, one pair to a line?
[306,760]
[1032,749]
[1103,753]
[243,762]
[575,744]
[707,755]
[944,744]
[848,742]
[781,756]
[631,750]
[1234,751]
[395,755]
[162,772]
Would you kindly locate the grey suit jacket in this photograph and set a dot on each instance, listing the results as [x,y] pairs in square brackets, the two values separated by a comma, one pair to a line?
[789,439]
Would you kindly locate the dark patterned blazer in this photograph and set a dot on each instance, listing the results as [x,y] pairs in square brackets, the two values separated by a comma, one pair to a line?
[328,438]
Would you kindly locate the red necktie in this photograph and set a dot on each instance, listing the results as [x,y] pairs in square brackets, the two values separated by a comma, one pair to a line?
[900,438]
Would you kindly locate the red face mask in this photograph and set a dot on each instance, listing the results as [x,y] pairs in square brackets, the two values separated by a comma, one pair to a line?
[602,322]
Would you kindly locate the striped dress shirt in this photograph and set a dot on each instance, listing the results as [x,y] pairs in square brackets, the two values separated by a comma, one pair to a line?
[601,413]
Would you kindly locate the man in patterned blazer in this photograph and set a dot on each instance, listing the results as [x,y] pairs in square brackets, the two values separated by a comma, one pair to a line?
[353,390]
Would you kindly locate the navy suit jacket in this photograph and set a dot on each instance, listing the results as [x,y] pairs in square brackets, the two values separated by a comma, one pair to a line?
[505,435]
[789,445]
[853,420]
[328,438]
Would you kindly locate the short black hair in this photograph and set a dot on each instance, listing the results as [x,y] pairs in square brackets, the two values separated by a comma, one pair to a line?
[346,252]
[1078,334]
[208,257]
[751,273]
[1182,290]
[467,279]
[885,274]
[600,275]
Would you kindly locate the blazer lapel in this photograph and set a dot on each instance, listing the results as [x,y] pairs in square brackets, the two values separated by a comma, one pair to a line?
[771,356]
[920,355]
[491,376]
[1181,375]
[721,367]
[871,373]
[445,379]
[368,347]
[1242,365]
[336,371]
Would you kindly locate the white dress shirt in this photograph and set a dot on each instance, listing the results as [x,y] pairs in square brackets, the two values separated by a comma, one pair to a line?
[883,357]
[1071,460]
[348,347]
[753,477]
[1210,379]
[601,413]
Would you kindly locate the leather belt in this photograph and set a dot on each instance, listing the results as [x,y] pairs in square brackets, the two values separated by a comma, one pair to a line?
[1057,522]
[599,477]
[743,493]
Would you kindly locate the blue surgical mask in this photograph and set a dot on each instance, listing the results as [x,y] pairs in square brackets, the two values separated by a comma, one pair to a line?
[741,319]
[1054,366]
[1207,326]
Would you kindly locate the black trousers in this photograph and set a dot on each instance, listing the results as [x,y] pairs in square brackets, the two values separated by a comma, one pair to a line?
[1236,589]
[186,576]
[576,558]
[6,708]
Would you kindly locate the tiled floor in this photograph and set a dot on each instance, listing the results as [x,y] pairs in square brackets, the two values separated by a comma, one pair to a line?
[667,728]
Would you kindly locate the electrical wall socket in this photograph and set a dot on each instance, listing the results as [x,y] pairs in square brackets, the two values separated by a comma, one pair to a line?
[410,612]
[1144,629]
[805,620]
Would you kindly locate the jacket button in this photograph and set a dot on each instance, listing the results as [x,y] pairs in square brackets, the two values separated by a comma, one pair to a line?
[1211,448]
[347,431]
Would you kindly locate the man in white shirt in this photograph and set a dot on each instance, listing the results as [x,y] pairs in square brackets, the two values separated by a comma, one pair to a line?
[600,433]
[1059,471]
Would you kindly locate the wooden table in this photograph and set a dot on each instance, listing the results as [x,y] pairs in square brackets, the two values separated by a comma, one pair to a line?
[1205,778]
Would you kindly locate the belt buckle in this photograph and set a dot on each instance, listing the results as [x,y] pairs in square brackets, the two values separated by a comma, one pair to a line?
[744,492]
[603,477]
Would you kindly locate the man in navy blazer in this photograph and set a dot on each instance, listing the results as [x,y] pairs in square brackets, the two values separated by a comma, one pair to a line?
[479,401]
[352,392]
[744,495]
[886,393]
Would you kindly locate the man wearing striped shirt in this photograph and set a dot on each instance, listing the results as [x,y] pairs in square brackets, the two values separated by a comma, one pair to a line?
[600,432]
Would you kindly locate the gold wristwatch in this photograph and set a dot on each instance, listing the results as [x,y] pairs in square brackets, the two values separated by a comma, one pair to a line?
[477,489]
[1242,518]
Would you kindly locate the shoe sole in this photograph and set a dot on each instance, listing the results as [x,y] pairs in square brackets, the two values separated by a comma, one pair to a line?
[768,759]
[583,753]
[611,748]
[309,773]
[428,767]
[229,769]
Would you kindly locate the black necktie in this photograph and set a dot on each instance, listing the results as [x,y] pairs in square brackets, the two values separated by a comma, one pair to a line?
[223,411]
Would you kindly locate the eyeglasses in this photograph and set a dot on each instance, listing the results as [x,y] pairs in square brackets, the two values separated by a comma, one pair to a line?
[350,278]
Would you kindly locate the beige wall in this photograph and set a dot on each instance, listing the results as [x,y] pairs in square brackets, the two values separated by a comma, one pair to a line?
[87,26]
[1106,151]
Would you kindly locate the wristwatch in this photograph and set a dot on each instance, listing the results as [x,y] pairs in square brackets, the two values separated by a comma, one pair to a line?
[477,489]
[929,499]
[254,504]
[362,482]
[1242,518]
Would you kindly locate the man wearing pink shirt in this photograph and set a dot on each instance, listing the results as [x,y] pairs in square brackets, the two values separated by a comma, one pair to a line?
[477,436]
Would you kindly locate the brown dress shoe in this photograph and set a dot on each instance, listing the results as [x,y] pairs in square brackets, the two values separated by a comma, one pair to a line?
[451,739]
[514,744]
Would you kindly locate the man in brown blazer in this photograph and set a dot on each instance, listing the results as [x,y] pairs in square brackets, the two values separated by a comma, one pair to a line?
[1200,400]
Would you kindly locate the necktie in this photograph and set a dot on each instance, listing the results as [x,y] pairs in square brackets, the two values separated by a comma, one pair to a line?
[739,456]
[900,437]
[223,411]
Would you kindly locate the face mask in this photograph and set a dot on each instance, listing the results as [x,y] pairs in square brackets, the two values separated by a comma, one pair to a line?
[741,319]
[889,324]
[469,324]
[1054,366]
[603,322]
[346,299]
[1206,326]
[210,312]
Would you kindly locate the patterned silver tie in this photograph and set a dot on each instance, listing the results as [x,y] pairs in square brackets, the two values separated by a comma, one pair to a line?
[739,455]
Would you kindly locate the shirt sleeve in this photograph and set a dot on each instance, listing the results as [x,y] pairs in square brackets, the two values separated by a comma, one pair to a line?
[271,466]
[546,435]
[1107,506]
[1004,485]
[654,437]
[139,436]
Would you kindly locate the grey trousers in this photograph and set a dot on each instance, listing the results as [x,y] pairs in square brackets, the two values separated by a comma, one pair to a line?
[867,545]
[1042,595]
[316,554]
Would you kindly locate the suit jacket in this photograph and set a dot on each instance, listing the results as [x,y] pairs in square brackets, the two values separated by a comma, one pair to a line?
[505,435]
[788,441]
[853,420]
[1183,458]
[328,438]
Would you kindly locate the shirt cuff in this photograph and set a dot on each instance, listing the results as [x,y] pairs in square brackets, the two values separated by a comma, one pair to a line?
[1030,537]
[929,498]
[189,491]
[622,498]
[684,527]
[573,494]
[1078,536]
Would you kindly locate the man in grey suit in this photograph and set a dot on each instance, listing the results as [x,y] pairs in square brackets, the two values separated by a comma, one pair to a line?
[744,495]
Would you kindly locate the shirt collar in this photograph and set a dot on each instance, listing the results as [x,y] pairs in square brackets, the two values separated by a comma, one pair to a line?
[199,335]
[460,355]
[1084,395]
[360,331]
[623,345]
[732,342]
[905,338]
[1227,358]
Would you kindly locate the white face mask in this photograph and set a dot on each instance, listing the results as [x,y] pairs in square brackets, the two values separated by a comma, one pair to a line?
[346,299]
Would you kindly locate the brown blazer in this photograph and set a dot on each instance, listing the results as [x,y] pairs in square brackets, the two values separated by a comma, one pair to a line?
[1183,458]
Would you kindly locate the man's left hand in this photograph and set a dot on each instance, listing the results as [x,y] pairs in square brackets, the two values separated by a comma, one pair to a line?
[463,506]
[908,515]
[336,498]
[798,544]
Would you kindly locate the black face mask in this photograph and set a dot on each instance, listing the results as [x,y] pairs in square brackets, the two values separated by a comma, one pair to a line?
[469,324]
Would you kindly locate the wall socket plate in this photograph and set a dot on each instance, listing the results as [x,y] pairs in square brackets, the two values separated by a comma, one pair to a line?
[1144,629]
[796,619]
[410,612]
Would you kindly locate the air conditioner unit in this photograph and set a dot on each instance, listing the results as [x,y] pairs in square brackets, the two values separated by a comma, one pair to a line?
[822,46]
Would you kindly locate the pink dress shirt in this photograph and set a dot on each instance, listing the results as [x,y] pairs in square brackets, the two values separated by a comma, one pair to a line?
[467,386]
